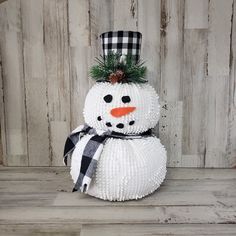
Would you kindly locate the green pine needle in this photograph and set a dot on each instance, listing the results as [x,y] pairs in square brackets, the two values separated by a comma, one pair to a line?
[133,71]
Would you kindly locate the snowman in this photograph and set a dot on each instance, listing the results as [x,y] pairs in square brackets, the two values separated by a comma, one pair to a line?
[115,156]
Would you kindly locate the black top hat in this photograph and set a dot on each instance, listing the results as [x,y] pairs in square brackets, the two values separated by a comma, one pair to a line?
[123,42]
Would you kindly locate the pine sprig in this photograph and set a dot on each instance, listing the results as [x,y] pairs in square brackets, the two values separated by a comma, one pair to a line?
[115,67]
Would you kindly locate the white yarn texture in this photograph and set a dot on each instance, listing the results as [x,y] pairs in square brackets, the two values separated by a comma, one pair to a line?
[143,97]
[127,169]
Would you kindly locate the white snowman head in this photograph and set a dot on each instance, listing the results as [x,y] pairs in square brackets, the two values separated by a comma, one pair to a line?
[128,108]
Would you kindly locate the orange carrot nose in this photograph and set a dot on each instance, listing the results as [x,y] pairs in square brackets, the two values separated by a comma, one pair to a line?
[121,111]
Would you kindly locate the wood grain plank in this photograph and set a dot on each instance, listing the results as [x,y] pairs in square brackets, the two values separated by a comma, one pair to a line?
[27,199]
[101,19]
[187,197]
[52,186]
[149,15]
[216,140]
[171,53]
[33,173]
[231,138]
[40,229]
[2,111]
[79,42]
[218,82]
[199,185]
[194,83]
[37,186]
[170,214]
[170,129]
[58,193]
[72,229]
[57,73]
[160,198]
[66,185]
[172,26]
[15,136]
[194,98]
[125,14]
[35,83]
[164,197]
[219,37]
[196,14]
[200,174]
[154,229]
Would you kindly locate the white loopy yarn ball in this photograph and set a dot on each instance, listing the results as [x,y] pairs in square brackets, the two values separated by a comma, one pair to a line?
[127,169]
[97,111]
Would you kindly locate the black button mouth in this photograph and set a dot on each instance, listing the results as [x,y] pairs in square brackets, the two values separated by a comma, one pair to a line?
[108,124]
[120,126]
[131,122]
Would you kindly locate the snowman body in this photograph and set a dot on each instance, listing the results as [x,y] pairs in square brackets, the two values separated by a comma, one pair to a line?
[127,168]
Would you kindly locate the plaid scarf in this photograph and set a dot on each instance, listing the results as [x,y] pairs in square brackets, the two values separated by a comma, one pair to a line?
[91,152]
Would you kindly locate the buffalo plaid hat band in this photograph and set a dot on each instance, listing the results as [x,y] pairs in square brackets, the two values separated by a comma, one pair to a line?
[123,42]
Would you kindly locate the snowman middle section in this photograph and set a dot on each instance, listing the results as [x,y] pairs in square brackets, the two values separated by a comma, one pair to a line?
[127,169]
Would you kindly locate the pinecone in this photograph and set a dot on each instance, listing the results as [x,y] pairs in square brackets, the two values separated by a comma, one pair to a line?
[118,76]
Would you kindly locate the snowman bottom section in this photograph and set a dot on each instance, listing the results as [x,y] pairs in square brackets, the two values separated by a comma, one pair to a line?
[127,169]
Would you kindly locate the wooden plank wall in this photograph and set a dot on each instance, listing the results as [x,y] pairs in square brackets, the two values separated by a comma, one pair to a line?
[47,47]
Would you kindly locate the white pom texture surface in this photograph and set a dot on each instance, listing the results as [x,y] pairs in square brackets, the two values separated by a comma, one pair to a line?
[142,97]
[127,169]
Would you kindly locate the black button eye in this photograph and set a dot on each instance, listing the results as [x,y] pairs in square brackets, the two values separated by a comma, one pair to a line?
[108,98]
[125,99]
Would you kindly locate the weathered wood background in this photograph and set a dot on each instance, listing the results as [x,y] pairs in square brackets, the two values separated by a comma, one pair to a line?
[47,47]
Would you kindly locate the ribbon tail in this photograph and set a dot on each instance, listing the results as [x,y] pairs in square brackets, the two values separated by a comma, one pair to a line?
[68,149]
[90,158]
[70,143]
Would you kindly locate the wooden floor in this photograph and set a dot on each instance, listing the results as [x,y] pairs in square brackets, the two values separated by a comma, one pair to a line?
[39,201]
